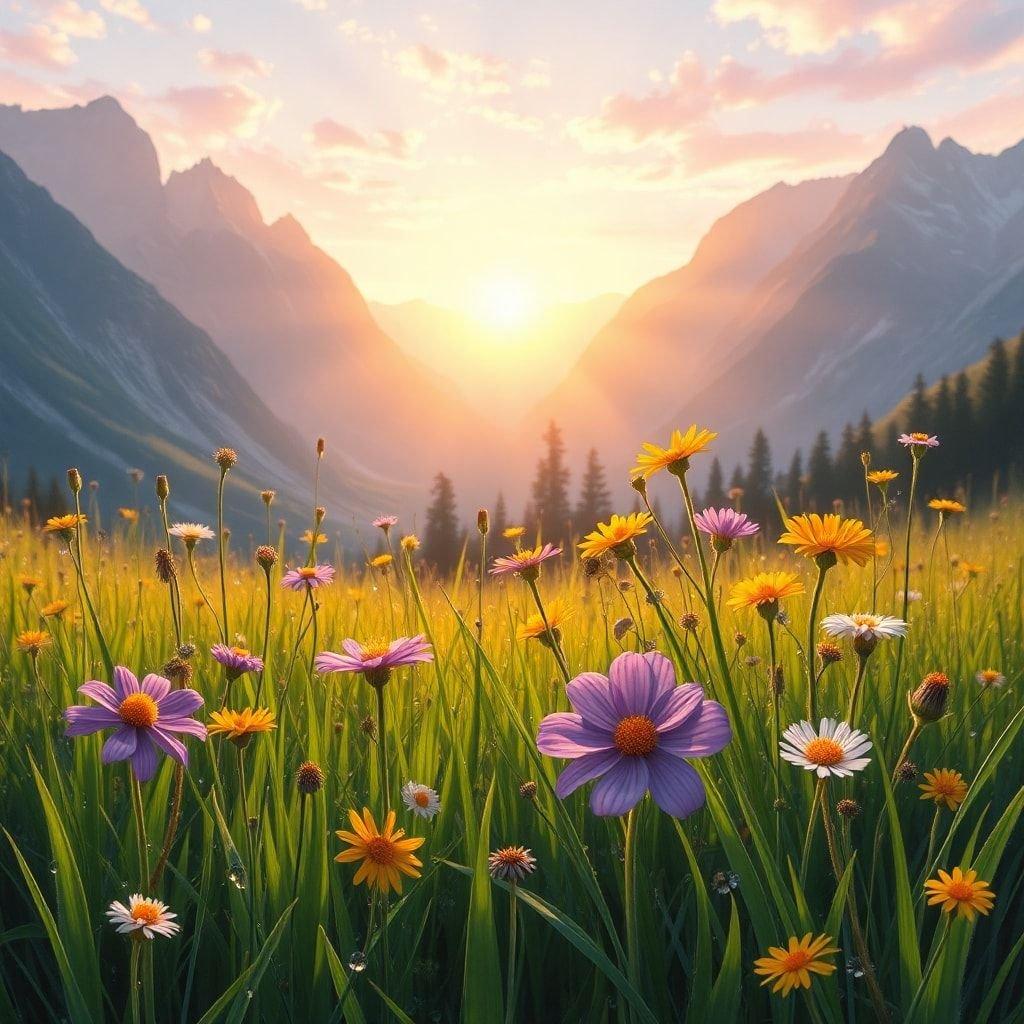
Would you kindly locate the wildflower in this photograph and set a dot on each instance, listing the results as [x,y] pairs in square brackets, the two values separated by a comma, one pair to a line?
[622,626]
[535,629]
[917,441]
[739,639]
[971,569]
[676,457]
[631,730]
[74,480]
[163,487]
[962,891]
[129,515]
[28,583]
[525,563]
[191,533]
[410,542]
[421,800]
[834,749]
[376,661]
[928,701]
[828,538]
[163,561]
[735,493]
[690,621]
[266,557]
[947,506]
[528,790]
[236,660]
[307,537]
[385,522]
[848,809]
[64,525]
[829,653]
[32,641]
[511,864]
[267,497]
[143,918]
[882,477]
[54,609]
[616,536]
[724,525]
[309,778]
[787,969]
[483,522]
[144,715]
[944,786]
[907,771]
[764,590]
[513,532]
[987,677]
[241,726]
[724,882]
[225,458]
[308,577]
[863,627]
[752,660]
[881,548]
[384,853]
[381,562]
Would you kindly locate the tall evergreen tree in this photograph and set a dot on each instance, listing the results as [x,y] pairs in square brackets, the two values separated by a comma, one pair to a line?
[595,504]
[551,488]
[919,412]
[714,495]
[794,487]
[960,438]
[848,478]
[865,434]
[821,485]
[992,408]
[757,497]
[499,521]
[54,504]
[441,538]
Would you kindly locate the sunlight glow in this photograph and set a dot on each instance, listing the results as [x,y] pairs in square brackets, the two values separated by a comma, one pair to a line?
[505,303]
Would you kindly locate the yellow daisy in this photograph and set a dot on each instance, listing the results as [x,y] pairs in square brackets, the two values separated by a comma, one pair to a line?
[241,726]
[28,583]
[946,505]
[54,610]
[129,515]
[764,588]
[962,891]
[381,561]
[971,569]
[63,524]
[944,786]
[616,535]
[787,969]
[814,536]
[32,641]
[513,532]
[674,458]
[385,855]
[881,477]
[557,611]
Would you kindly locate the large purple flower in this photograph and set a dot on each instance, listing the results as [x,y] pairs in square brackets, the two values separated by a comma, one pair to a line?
[630,730]
[376,660]
[724,525]
[144,715]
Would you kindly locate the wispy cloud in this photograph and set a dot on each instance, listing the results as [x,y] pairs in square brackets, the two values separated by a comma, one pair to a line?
[478,74]
[39,46]
[132,10]
[234,65]
[330,135]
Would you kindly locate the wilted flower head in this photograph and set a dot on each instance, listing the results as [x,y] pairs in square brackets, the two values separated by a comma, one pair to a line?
[928,701]
[724,882]
[525,563]
[906,771]
[622,626]
[483,522]
[690,621]
[848,809]
[528,789]
[829,653]
[179,671]
[511,864]
[724,525]
[308,577]
[143,918]
[165,567]
[74,480]
[268,497]
[420,799]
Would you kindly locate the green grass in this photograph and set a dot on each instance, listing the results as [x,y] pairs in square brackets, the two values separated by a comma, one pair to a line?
[466,727]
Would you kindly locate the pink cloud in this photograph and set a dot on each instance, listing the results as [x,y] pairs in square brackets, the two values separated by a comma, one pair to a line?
[69,17]
[39,45]
[132,10]
[212,114]
[988,126]
[234,64]
[328,134]
[478,74]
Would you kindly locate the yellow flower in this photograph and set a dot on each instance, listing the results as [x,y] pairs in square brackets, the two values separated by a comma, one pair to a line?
[129,515]
[971,570]
[947,506]
[307,537]
[616,535]
[32,641]
[847,540]
[881,548]
[675,457]
[241,726]
[54,610]
[881,477]
[410,542]
[764,588]
[557,611]
[961,891]
[29,583]
[944,786]
[513,532]
[385,855]
[792,968]
[381,561]
[63,524]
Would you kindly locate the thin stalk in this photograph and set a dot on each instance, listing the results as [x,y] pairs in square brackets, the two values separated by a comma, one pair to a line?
[629,899]
[266,636]
[805,856]
[916,461]
[915,731]
[666,622]
[172,827]
[382,748]
[190,554]
[851,712]
[140,826]
[133,981]
[811,634]
[513,920]
[225,632]
[556,646]
[250,854]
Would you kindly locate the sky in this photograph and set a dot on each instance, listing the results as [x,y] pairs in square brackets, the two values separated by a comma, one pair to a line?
[488,153]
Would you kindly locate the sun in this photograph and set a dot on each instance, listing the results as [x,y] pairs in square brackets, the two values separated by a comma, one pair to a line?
[505,303]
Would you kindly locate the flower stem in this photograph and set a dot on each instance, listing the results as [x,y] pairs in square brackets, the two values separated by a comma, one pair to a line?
[133,982]
[513,920]
[250,852]
[221,555]
[140,826]
[382,748]
[851,712]
[172,827]
[629,899]
[556,646]
[915,731]
[202,593]
[811,634]
[916,461]
[805,856]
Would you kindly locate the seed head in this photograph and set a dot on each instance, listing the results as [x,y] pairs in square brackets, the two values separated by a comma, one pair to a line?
[865,459]
[266,556]
[528,790]
[225,458]
[369,726]
[622,627]
[907,771]
[321,447]
[165,568]
[829,653]
[483,522]
[179,671]
[848,809]
[268,497]
[740,639]
[690,621]
[309,778]
[639,484]
[186,650]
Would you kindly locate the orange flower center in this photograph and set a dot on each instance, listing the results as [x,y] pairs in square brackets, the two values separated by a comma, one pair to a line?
[960,891]
[918,436]
[797,959]
[241,652]
[945,787]
[377,650]
[511,857]
[824,751]
[381,850]
[147,913]
[636,736]
[139,710]
[421,799]
[307,572]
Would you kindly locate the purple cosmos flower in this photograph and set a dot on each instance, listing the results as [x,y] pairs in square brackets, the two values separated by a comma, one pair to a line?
[631,730]
[918,440]
[308,576]
[237,660]
[144,716]
[385,522]
[524,563]
[724,525]
[376,660]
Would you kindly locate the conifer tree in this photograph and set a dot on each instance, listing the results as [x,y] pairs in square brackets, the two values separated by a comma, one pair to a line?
[714,494]
[821,485]
[441,538]
[551,488]
[757,496]
[595,504]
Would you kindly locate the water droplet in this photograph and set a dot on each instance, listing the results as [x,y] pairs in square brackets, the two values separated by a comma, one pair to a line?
[53,867]
[236,876]
[357,962]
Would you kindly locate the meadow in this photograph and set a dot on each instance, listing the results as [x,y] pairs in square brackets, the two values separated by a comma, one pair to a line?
[517,905]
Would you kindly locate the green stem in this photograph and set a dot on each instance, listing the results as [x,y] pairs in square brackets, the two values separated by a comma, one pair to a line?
[916,460]
[556,646]
[133,981]
[811,634]
[190,552]
[266,637]
[225,632]
[250,854]
[513,919]
[140,826]
[851,711]
[629,899]
[805,856]
[915,731]
[666,623]
[382,749]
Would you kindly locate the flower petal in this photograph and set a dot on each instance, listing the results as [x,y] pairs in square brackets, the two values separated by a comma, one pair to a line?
[706,732]
[565,735]
[178,703]
[144,760]
[591,700]
[637,682]
[83,721]
[583,769]
[183,724]
[676,787]
[156,686]
[120,745]
[169,744]
[101,693]
[682,702]
[125,682]
[621,788]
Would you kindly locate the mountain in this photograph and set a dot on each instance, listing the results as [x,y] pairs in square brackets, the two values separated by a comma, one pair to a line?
[98,370]
[666,340]
[920,263]
[286,314]
[475,354]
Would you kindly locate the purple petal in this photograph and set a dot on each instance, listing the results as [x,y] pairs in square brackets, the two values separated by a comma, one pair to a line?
[144,760]
[328,661]
[677,789]
[705,733]
[680,704]
[621,788]
[590,699]
[178,703]
[183,724]
[352,648]
[101,693]
[83,721]
[638,681]
[156,686]
[583,769]
[564,734]
[125,682]
[169,744]
[121,744]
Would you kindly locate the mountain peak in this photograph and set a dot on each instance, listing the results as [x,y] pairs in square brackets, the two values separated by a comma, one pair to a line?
[911,141]
[204,196]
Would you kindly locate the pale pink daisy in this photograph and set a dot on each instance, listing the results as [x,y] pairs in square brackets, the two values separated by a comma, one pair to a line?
[385,522]
[375,661]
[919,440]
[308,577]
[834,749]
[525,563]
[724,525]
[143,916]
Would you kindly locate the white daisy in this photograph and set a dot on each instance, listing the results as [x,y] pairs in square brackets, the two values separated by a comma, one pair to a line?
[860,624]
[835,749]
[151,917]
[191,532]
[990,677]
[420,799]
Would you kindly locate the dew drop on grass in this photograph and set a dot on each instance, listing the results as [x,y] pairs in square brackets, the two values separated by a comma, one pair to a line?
[357,962]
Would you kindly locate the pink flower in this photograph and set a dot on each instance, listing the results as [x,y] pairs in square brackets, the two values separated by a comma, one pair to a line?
[724,525]
[308,576]
[375,661]
[524,563]
[631,730]
[385,522]
[237,660]
[918,440]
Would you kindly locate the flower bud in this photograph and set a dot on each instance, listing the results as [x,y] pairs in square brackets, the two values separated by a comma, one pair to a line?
[163,487]
[829,653]
[639,484]
[528,790]
[483,523]
[268,497]
[309,778]
[928,701]
[165,568]
[907,771]
[74,480]
[848,809]
[865,459]
[321,447]
[320,513]
[266,556]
